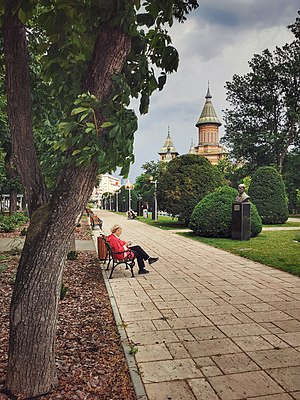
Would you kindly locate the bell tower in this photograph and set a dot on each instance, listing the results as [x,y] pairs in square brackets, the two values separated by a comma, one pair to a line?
[208,132]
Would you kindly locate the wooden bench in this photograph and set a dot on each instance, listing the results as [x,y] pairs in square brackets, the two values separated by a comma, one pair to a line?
[113,261]
[95,220]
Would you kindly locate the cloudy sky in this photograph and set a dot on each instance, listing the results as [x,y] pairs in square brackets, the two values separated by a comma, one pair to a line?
[216,42]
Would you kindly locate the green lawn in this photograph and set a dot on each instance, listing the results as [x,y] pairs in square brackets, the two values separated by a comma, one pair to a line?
[274,248]
[163,222]
[285,225]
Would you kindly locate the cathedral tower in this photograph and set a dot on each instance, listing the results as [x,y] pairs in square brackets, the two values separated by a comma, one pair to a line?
[168,151]
[208,133]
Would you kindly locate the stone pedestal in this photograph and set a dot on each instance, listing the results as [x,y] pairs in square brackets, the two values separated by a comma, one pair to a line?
[241,221]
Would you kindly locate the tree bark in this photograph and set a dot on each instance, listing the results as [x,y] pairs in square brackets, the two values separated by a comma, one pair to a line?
[33,312]
[11,175]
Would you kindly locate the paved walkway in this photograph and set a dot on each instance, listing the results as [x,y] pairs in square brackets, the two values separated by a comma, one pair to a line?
[207,324]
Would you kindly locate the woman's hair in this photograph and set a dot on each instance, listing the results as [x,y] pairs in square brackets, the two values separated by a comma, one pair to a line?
[114,228]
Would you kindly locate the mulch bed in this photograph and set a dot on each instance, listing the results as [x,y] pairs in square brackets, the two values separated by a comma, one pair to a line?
[90,359]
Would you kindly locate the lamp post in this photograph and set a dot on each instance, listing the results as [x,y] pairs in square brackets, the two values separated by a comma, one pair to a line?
[117,201]
[154,211]
[139,206]
[123,204]
[129,187]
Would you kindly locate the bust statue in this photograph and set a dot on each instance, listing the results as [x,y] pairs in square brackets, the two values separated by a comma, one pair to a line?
[242,197]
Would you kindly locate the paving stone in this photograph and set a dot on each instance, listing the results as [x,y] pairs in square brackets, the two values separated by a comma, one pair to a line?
[169,370]
[140,326]
[211,370]
[243,330]
[187,312]
[140,315]
[235,363]
[211,347]
[296,395]
[153,337]
[152,352]
[292,338]
[177,350]
[164,305]
[204,361]
[202,389]
[275,341]
[189,322]
[293,325]
[176,390]
[160,324]
[268,316]
[184,335]
[206,332]
[252,343]
[225,319]
[277,358]
[288,378]
[244,385]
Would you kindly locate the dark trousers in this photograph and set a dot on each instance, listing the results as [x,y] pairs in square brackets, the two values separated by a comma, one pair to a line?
[140,255]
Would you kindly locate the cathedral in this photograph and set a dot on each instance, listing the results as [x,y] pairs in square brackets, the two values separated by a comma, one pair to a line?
[208,137]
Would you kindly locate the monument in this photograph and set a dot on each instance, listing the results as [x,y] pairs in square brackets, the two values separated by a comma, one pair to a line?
[241,216]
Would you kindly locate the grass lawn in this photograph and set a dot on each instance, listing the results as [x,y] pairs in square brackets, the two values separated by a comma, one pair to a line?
[163,222]
[274,248]
[290,224]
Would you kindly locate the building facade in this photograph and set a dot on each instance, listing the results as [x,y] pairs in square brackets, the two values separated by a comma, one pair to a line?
[168,151]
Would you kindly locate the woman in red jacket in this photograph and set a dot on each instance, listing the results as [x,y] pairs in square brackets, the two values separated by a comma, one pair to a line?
[119,245]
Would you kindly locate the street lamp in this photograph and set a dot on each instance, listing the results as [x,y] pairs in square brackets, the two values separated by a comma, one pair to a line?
[139,207]
[154,211]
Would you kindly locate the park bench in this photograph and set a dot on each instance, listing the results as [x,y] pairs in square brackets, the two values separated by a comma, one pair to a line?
[95,220]
[113,261]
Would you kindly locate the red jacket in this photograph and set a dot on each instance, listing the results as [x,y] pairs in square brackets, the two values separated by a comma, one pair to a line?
[117,245]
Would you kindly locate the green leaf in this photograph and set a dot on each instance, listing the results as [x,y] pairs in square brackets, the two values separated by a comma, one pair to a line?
[85,115]
[78,110]
[107,124]
[76,152]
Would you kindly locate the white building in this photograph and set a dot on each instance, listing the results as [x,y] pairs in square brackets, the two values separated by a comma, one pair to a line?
[107,184]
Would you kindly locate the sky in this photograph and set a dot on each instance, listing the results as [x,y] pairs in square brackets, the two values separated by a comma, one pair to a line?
[216,42]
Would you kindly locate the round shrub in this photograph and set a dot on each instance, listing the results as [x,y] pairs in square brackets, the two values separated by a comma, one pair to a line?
[212,216]
[184,182]
[267,192]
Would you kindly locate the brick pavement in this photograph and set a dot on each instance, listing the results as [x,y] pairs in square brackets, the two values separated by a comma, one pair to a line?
[208,325]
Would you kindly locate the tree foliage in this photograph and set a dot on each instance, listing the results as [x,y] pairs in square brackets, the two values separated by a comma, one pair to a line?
[263,120]
[267,192]
[143,185]
[291,177]
[186,180]
[212,216]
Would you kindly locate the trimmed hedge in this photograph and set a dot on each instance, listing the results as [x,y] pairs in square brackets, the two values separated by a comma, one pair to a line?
[267,192]
[212,216]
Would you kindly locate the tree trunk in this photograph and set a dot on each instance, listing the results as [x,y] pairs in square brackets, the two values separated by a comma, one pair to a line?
[13,196]
[11,176]
[33,313]
[34,305]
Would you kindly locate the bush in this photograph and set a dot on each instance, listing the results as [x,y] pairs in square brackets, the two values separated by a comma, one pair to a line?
[267,192]
[212,216]
[9,223]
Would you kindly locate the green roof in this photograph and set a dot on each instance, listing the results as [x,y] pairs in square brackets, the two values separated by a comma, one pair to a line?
[208,115]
